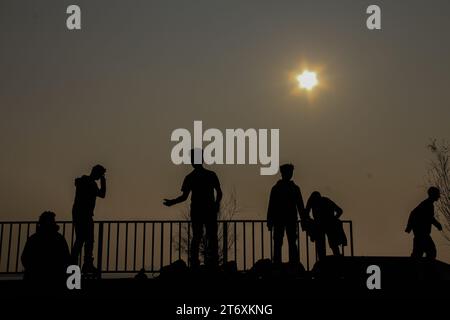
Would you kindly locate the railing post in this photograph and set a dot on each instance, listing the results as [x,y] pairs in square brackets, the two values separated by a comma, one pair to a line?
[108,246]
[161,259]
[244,242]
[189,243]
[307,251]
[262,240]
[235,241]
[225,243]
[9,246]
[100,249]
[1,242]
[18,248]
[253,242]
[271,244]
[299,230]
[351,238]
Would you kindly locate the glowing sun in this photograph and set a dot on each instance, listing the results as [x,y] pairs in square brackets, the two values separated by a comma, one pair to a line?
[307,80]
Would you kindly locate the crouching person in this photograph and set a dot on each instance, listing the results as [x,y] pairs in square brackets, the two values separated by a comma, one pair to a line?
[46,255]
[325,222]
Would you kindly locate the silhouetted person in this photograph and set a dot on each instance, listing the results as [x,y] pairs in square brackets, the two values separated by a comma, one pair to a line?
[46,253]
[420,221]
[285,206]
[326,223]
[201,183]
[86,194]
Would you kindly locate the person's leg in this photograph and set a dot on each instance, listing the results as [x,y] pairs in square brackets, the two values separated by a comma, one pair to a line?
[430,248]
[89,244]
[212,254]
[278,234]
[332,236]
[321,249]
[197,234]
[291,232]
[336,250]
[80,238]
[417,247]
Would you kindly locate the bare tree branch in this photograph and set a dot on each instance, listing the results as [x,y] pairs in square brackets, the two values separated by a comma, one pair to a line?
[439,176]
[228,210]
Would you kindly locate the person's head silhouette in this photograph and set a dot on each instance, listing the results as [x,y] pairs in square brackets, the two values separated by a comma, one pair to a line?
[197,158]
[434,194]
[47,222]
[287,171]
[97,171]
[314,198]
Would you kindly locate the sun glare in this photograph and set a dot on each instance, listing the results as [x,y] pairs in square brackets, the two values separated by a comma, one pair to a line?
[307,80]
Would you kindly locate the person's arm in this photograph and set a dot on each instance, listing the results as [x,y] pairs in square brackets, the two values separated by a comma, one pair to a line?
[185,189]
[25,258]
[306,220]
[300,205]
[219,196]
[102,191]
[338,211]
[412,218]
[410,223]
[270,211]
[437,224]
[183,197]
[65,253]
[308,208]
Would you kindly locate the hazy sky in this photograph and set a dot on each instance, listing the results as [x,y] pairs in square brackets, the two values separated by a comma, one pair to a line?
[113,92]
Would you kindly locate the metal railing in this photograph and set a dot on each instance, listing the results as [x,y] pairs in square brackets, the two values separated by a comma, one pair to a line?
[132,245]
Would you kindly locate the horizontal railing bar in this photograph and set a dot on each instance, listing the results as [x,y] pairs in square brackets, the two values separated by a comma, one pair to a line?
[142,221]
[10,273]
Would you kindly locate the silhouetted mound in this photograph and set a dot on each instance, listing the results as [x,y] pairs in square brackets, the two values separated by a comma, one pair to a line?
[265,269]
[395,271]
[229,268]
[141,275]
[175,270]
[262,269]
[179,270]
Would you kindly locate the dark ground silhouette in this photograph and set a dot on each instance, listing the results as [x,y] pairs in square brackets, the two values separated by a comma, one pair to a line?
[333,278]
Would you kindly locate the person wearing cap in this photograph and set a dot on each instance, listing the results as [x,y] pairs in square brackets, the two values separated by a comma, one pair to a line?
[420,221]
[285,207]
[46,256]
[86,194]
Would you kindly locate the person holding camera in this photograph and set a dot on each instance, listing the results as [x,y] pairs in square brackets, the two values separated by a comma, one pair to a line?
[86,194]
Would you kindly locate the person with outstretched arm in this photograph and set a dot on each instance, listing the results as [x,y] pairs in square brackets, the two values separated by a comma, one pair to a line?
[204,188]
